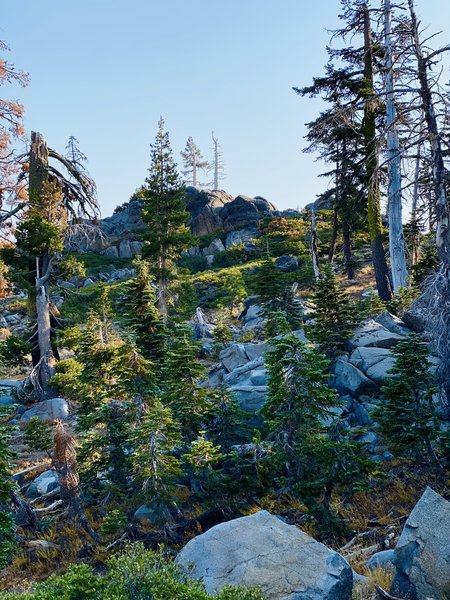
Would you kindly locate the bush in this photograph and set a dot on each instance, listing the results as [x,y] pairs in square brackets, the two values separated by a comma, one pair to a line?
[14,350]
[135,575]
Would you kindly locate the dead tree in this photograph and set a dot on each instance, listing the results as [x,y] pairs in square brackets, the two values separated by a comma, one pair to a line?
[65,463]
[217,164]
[397,247]
[314,253]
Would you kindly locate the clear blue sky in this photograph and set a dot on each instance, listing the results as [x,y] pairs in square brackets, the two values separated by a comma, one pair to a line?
[105,70]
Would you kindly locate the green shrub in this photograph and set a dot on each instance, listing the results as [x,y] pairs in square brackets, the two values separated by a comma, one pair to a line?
[14,350]
[135,575]
[38,435]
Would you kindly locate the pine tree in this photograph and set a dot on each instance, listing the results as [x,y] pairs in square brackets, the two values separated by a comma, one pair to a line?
[7,536]
[180,380]
[406,415]
[141,311]
[192,161]
[165,215]
[335,315]
[307,458]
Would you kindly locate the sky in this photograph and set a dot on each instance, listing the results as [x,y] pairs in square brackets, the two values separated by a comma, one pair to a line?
[104,71]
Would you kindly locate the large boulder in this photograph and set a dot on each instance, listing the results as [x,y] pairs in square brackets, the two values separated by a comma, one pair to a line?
[392,323]
[422,554]
[242,373]
[246,237]
[372,334]
[48,410]
[348,379]
[214,247]
[261,550]
[46,482]
[287,263]
[125,249]
[237,355]
[204,207]
[251,398]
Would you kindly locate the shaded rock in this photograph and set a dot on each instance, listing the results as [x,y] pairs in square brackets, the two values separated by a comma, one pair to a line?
[7,400]
[125,249]
[153,515]
[204,207]
[242,373]
[233,356]
[214,247]
[365,358]
[136,247]
[67,285]
[250,301]
[371,333]
[242,236]
[392,323]
[370,440]
[287,263]
[381,560]
[261,550]
[88,282]
[251,398]
[380,372]
[348,379]
[10,383]
[253,312]
[422,554]
[48,410]
[111,252]
[46,482]
[415,319]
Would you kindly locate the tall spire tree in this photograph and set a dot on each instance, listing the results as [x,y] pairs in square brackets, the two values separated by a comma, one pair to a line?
[217,164]
[192,162]
[397,246]
[165,214]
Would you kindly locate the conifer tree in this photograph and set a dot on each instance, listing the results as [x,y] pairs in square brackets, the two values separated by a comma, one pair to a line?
[142,314]
[192,161]
[6,487]
[335,315]
[406,416]
[181,375]
[307,458]
[165,215]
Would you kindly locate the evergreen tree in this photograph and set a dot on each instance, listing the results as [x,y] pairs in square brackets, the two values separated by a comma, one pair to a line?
[406,415]
[155,465]
[308,458]
[192,161]
[180,380]
[165,215]
[7,536]
[276,295]
[142,314]
[335,315]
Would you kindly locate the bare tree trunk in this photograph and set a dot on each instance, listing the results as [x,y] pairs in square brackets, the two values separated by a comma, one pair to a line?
[314,255]
[440,200]
[347,248]
[334,235]
[371,160]
[397,248]
[46,367]
[415,249]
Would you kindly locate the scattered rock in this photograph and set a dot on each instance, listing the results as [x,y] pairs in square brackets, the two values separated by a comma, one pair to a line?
[136,247]
[214,247]
[392,323]
[381,560]
[236,355]
[44,483]
[88,282]
[348,379]
[261,550]
[422,554]
[125,249]
[371,333]
[153,515]
[246,237]
[111,252]
[7,400]
[251,398]
[286,263]
[48,410]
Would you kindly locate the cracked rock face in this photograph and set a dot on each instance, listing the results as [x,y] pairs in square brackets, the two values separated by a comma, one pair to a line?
[261,550]
[422,554]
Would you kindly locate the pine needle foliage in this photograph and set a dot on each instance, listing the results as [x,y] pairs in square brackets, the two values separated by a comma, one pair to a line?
[7,536]
[406,417]
[336,315]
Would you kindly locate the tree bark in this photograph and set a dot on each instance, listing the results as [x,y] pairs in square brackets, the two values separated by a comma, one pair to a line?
[315,258]
[334,235]
[347,248]
[397,247]
[371,160]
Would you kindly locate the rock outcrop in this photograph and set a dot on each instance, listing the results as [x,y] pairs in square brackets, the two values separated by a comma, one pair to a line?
[262,550]
[422,554]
